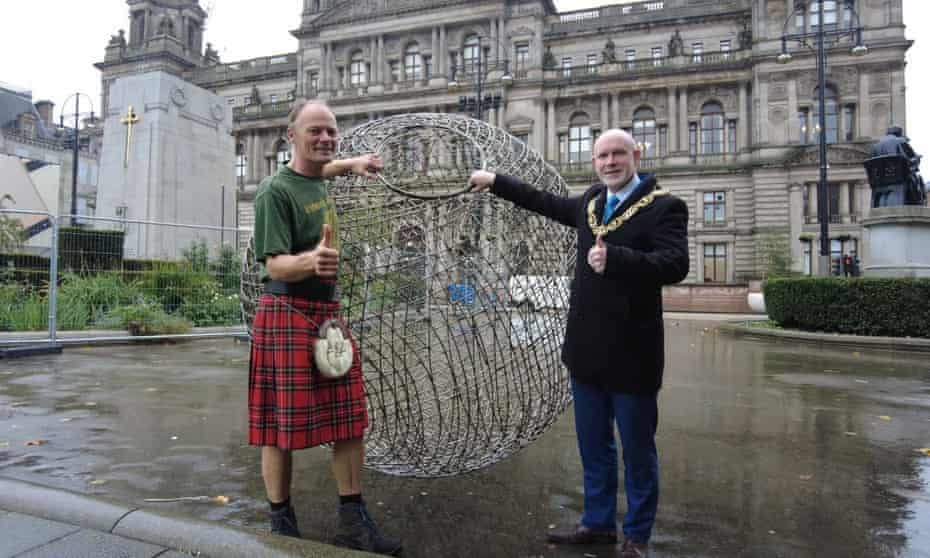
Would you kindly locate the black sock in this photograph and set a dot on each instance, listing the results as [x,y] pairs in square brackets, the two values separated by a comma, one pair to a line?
[351,499]
[279,506]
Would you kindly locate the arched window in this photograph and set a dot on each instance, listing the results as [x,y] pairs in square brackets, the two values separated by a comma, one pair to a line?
[711,128]
[7,202]
[471,53]
[579,138]
[830,103]
[413,62]
[283,152]
[357,71]
[644,131]
[242,164]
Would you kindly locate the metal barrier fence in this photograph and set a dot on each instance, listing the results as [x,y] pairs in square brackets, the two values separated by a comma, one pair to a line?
[82,278]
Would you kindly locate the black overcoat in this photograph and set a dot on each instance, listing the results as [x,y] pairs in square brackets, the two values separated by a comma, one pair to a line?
[614,336]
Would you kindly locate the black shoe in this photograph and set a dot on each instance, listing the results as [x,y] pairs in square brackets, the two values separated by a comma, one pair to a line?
[284,522]
[358,531]
[579,534]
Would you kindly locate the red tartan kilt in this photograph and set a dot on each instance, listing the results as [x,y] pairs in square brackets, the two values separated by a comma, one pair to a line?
[292,406]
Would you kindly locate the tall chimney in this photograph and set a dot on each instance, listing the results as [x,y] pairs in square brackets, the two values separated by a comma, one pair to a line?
[46,111]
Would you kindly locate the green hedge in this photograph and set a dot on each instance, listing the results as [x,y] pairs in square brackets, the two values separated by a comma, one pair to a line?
[87,250]
[860,306]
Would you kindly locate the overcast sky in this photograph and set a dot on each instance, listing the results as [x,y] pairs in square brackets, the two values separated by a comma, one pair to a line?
[53,44]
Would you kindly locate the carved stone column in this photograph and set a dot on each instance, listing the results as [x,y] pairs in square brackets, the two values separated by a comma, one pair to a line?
[844,202]
[796,221]
[794,125]
[443,51]
[605,112]
[862,107]
[552,136]
[672,134]
[683,144]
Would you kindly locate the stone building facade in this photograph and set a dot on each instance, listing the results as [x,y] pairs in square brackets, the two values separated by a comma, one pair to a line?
[696,82]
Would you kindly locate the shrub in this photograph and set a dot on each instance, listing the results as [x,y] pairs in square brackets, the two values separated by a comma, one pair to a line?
[146,318]
[22,308]
[83,300]
[860,306]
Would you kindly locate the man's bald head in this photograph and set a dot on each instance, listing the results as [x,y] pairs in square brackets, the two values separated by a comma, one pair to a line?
[615,157]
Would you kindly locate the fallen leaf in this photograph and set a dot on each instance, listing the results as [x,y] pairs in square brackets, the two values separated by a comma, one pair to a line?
[221,500]
[806,477]
[925,451]
[885,417]
[97,482]
[856,354]
[36,442]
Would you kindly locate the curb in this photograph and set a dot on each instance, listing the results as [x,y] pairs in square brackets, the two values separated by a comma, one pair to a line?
[897,344]
[193,536]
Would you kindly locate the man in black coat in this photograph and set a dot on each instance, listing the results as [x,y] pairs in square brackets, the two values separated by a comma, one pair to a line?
[632,240]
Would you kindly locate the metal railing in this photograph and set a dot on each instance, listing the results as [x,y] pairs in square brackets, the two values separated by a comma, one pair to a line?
[263,110]
[584,73]
[109,276]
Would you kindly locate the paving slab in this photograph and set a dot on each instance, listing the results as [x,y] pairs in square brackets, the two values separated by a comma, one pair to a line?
[24,532]
[94,544]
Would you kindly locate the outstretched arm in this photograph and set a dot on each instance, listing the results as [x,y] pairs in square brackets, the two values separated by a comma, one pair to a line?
[363,165]
[558,208]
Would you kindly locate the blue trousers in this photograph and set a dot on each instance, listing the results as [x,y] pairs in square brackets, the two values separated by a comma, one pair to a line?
[637,417]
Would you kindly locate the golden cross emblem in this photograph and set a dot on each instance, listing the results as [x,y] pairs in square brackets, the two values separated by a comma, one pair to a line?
[129,120]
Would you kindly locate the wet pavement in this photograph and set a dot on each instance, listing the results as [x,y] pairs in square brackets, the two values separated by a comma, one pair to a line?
[766,449]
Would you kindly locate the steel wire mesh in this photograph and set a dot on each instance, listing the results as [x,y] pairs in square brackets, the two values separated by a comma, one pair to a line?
[457,300]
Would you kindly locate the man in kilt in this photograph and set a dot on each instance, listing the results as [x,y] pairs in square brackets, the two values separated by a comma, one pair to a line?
[291,405]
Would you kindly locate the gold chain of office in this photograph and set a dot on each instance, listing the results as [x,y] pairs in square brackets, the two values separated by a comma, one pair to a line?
[614,224]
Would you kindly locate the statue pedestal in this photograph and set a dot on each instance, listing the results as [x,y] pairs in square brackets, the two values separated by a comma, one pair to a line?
[899,241]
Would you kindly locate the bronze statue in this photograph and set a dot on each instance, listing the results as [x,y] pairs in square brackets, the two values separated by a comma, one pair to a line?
[548,59]
[675,45]
[609,54]
[894,171]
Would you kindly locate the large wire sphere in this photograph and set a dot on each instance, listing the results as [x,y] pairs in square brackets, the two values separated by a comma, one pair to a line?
[457,300]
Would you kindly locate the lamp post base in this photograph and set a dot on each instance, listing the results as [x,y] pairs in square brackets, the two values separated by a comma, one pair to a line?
[823,266]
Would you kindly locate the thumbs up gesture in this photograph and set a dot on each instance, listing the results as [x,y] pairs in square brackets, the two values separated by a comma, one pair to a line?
[597,255]
[324,259]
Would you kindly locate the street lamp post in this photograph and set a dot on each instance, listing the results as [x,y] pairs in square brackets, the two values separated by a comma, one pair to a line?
[478,104]
[76,147]
[821,37]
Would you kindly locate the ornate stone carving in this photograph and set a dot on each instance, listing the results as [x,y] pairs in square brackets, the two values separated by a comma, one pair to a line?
[778,91]
[879,83]
[836,154]
[725,95]
[217,112]
[178,97]
[522,31]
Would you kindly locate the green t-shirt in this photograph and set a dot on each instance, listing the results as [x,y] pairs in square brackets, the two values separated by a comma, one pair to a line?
[290,210]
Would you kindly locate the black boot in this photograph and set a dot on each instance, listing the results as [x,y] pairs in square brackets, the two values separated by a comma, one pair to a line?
[284,522]
[358,531]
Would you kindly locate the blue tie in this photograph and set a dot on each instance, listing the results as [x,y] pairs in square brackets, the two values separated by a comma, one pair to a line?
[612,202]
